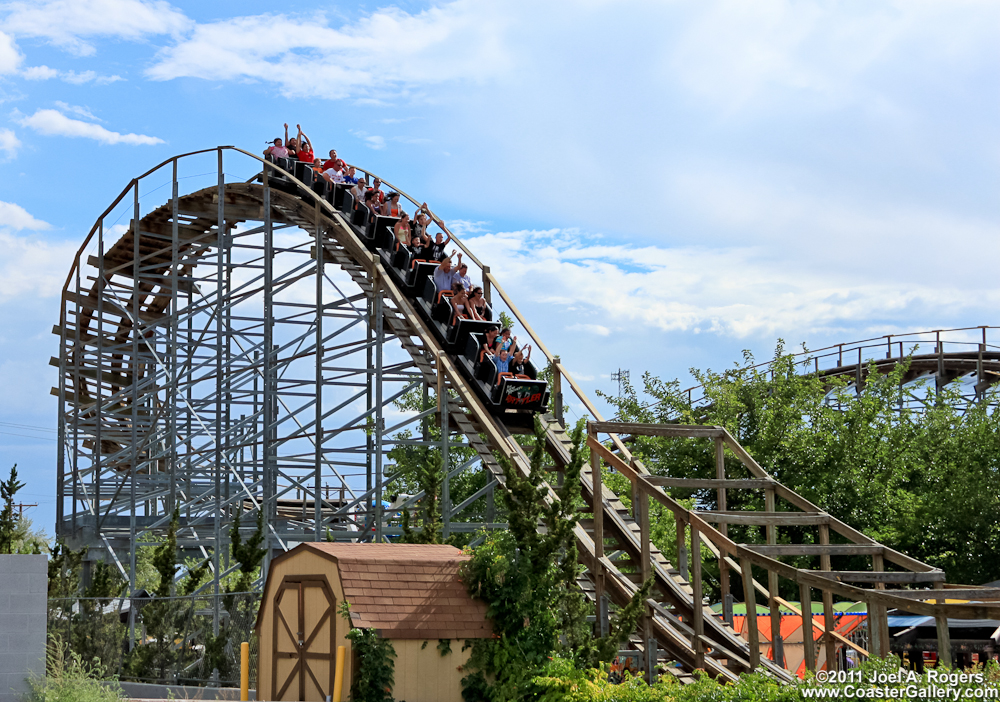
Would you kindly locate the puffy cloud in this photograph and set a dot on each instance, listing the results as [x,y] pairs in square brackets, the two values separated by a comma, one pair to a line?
[730,291]
[77,110]
[13,216]
[9,144]
[32,267]
[382,53]
[40,73]
[67,23]
[10,57]
[54,123]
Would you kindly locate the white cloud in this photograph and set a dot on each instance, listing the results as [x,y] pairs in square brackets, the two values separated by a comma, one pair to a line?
[10,57]
[67,23]
[384,53]
[32,267]
[53,123]
[9,143]
[88,76]
[734,292]
[46,73]
[734,53]
[13,216]
[372,142]
[598,329]
[40,73]
[78,111]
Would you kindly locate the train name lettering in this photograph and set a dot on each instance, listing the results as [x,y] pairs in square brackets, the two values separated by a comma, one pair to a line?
[524,399]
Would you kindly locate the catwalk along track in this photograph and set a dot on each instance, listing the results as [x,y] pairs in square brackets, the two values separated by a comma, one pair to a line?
[238,348]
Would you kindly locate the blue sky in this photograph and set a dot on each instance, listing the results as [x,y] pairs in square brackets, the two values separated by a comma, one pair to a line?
[659,184]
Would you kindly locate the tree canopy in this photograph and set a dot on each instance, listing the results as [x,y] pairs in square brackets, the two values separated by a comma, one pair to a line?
[913,469]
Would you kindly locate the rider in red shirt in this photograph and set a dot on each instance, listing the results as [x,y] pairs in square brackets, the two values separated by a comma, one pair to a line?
[305,151]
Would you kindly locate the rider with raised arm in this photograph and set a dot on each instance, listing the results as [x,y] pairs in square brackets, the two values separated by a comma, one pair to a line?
[305,146]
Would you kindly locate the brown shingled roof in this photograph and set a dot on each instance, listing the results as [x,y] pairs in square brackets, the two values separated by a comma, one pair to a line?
[408,591]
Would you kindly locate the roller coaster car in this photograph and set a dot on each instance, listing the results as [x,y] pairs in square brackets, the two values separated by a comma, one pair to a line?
[514,397]
[277,179]
[340,190]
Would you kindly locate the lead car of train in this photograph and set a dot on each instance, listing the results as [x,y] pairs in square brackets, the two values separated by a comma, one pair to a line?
[514,398]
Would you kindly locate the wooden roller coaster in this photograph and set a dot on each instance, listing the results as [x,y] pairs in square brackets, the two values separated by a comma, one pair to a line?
[138,438]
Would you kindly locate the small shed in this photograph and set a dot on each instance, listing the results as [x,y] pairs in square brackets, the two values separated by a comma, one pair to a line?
[411,594]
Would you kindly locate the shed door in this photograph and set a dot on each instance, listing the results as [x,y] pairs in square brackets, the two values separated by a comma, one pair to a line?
[303,626]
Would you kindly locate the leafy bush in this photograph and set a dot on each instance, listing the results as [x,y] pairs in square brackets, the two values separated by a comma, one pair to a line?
[375,675]
[71,679]
[562,682]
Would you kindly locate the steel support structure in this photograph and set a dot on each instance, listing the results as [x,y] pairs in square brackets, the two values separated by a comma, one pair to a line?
[212,362]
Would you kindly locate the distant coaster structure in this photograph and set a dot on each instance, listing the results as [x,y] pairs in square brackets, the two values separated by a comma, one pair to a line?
[968,357]
[239,349]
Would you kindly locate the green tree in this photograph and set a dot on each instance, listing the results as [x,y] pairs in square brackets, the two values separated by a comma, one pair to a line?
[9,520]
[162,617]
[419,468]
[528,578]
[430,478]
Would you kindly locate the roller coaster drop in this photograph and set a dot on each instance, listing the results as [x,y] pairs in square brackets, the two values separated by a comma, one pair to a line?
[239,348]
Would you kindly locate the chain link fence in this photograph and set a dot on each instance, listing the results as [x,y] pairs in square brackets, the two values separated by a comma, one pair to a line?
[163,640]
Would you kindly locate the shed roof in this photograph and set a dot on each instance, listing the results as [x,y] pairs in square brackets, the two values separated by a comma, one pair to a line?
[408,591]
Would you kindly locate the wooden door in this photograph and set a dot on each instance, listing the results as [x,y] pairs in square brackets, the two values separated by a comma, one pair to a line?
[303,629]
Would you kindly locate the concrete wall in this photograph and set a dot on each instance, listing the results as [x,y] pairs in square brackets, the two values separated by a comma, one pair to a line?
[23,592]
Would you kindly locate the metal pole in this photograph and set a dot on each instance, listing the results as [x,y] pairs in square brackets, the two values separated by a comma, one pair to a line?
[99,404]
[219,363]
[442,393]
[135,385]
[317,471]
[379,421]
[369,403]
[174,284]
[268,505]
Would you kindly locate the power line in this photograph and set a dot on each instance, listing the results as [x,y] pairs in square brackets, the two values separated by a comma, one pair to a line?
[32,427]
[29,436]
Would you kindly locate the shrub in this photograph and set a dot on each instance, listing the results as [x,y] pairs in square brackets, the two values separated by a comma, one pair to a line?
[71,679]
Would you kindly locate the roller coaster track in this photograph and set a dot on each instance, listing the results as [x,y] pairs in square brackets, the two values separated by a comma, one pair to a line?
[968,355]
[112,402]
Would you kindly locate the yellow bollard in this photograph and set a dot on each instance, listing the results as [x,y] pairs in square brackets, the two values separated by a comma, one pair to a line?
[338,680]
[244,671]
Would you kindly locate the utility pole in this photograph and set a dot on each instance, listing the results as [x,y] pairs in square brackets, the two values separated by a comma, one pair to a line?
[621,377]
[21,506]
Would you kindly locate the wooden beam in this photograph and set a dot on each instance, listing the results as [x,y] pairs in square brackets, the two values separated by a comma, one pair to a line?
[987,610]
[697,609]
[829,621]
[604,453]
[677,431]
[971,594]
[765,518]
[598,512]
[750,600]
[720,476]
[868,576]
[878,620]
[708,483]
[808,645]
[944,640]
[682,552]
[777,645]
[814,549]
